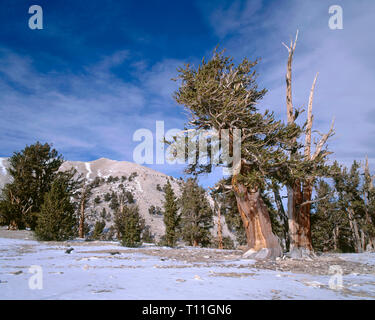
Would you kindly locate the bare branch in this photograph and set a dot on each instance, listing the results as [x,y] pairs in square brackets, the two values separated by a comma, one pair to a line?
[289,103]
[309,121]
[317,200]
[323,140]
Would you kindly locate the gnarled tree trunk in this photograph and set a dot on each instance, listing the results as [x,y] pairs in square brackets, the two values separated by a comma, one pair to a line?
[304,233]
[299,222]
[284,217]
[261,241]
[355,230]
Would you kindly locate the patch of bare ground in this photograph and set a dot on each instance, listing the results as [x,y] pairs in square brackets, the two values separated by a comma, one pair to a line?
[232,274]
[189,255]
[16,234]
[317,266]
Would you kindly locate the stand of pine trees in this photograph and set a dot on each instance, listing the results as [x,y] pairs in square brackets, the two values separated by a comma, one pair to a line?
[196,215]
[343,218]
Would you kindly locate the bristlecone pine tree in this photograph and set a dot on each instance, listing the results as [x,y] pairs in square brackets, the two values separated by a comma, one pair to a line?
[171,218]
[32,171]
[196,214]
[300,184]
[356,202]
[98,230]
[220,95]
[128,225]
[57,220]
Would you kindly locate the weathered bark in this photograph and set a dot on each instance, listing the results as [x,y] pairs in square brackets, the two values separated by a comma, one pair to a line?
[291,220]
[354,227]
[363,240]
[81,229]
[288,78]
[299,220]
[309,121]
[13,225]
[284,217]
[261,241]
[336,231]
[304,231]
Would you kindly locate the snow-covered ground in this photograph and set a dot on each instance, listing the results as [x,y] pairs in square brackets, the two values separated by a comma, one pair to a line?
[88,168]
[95,270]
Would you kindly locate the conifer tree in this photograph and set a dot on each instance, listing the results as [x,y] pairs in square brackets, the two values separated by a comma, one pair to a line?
[84,198]
[32,171]
[223,97]
[57,220]
[171,219]
[98,229]
[129,225]
[368,191]
[196,214]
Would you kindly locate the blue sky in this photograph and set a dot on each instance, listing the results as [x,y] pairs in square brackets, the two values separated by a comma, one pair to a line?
[100,70]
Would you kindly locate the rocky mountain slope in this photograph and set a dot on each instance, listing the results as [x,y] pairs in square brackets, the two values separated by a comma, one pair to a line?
[4,177]
[143,183]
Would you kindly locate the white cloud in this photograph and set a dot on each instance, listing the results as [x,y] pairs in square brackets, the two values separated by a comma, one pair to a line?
[82,114]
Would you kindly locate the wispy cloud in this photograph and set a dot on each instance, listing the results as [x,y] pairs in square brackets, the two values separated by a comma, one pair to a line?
[95,111]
